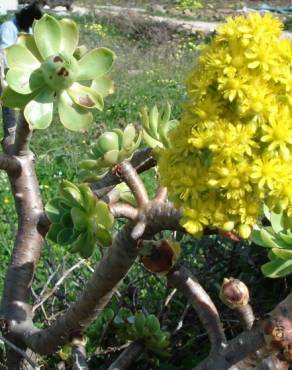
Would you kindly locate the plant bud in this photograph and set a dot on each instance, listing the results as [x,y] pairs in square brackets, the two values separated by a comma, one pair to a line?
[234,293]
[244,231]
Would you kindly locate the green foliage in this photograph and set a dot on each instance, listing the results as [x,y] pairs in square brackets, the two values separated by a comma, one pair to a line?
[188,4]
[79,219]
[278,238]
[156,126]
[43,71]
[147,330]
[111,148]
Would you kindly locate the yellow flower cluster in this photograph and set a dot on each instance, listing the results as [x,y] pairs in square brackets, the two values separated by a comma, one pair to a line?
[232,150]
[99,29]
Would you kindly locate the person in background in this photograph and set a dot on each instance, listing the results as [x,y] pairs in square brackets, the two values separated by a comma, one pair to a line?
[21,22]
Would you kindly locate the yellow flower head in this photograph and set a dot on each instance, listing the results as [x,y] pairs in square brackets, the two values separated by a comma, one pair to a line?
[232,150]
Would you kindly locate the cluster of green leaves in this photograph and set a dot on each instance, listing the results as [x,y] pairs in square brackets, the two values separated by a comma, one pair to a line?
[147,330]
[156,126]
[278,238]
[79,219]
[110,148]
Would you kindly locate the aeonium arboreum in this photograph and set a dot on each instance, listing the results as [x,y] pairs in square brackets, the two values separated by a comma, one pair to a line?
[42,71]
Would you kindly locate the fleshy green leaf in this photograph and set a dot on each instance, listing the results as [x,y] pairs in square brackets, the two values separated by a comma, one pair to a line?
[54,231]
[129,136]
[65,236]
[67,220]
[54,211]
[47,35]
[95,63]
[39,111]
[24,81]
[103,236]
[79,218]
[85,96]
[28,42]
[276,221]
[139,322]
[20,57]
[13,99]
[255,237]
[108,141]
[103,85]
[287,238]
[277,268]
[70,35]
[72,116]
[284,254]
[104,217]
[111,157]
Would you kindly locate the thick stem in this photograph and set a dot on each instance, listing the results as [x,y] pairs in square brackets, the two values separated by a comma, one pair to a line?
[161,194]
[238,348]
[103,283]
[28,243]
[9,164]
[124,210]
[183,280]
[127,357]
[134,182]
[246,316]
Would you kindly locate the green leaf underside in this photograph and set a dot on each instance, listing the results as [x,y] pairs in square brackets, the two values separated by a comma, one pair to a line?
[13,99]
[28,42]
[103,86]
[85,96]
[65,236]
[103,236]
[284,254]
[128,136]
[54,231]
[24,81]
[54,211]
[70,35]
[20,57]
[39,111]
[72,116]
[104,217]
[79,218]
[47,35]
[277,268]
[95,63]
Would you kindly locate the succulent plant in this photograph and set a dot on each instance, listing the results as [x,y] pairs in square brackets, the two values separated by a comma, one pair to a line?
[147,330]
[278,238]
[111,148]
[156,126]
[43,70]
[79,219]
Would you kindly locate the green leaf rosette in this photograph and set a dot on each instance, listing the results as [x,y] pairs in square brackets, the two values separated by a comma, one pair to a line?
[278,239]
[79,219]
[47,69]
[156,126]
[111,148]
